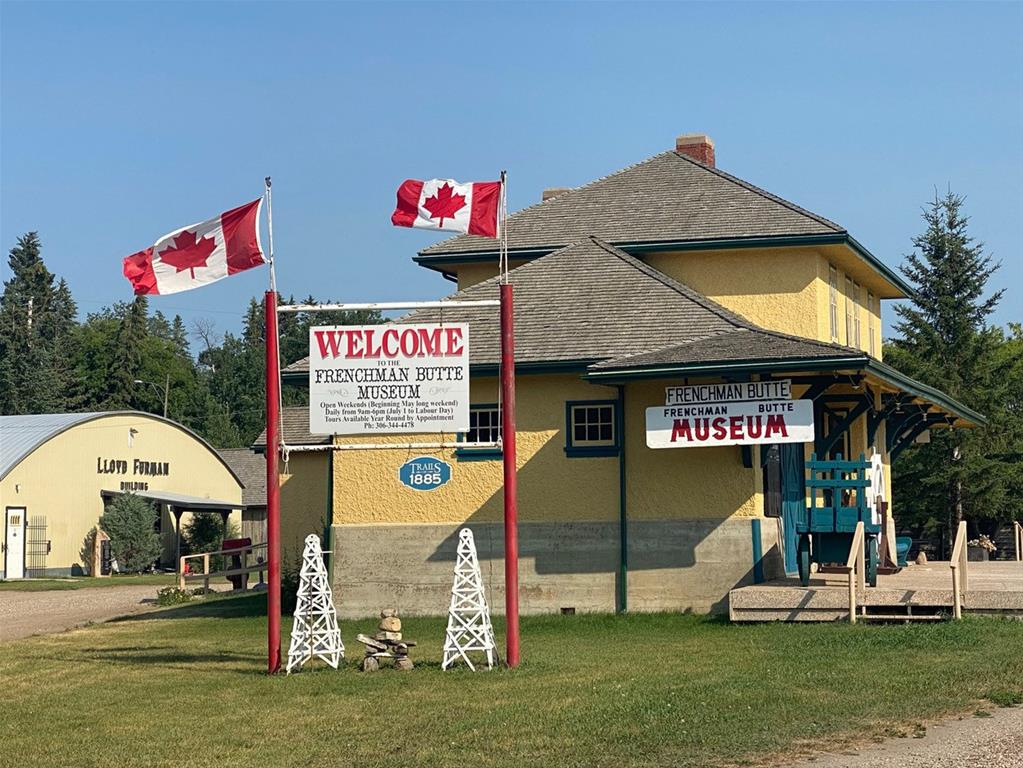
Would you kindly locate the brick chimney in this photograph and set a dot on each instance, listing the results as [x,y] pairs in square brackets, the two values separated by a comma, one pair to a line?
[553,192]
[698,146]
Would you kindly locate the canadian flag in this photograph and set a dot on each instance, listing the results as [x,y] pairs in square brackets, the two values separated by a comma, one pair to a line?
[199,253]
[446,204]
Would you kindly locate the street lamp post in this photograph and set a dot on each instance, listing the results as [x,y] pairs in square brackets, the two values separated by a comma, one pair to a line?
[166,391]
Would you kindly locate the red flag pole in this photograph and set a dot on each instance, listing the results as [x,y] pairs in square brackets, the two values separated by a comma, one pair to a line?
[511,502]
[273,487]
[511,497]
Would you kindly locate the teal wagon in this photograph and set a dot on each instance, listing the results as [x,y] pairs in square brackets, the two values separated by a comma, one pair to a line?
[837,495]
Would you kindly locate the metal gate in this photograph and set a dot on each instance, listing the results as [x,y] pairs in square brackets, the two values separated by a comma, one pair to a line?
[37,547]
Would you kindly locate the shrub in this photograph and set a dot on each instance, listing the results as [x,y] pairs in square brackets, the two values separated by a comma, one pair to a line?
[130,521]
[206,533]
[290,570]
[172,596]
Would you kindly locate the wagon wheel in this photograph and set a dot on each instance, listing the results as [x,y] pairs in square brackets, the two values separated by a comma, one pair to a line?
[803,559]
[871,545]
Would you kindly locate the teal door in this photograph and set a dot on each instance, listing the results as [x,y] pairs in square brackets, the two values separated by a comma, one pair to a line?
[793,497]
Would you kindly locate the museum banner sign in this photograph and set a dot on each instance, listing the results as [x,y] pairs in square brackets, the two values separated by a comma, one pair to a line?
[389,379]
[744,413]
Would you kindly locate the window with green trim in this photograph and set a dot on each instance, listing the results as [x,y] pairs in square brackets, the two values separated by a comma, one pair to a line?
[484,427]
[592,428]
[484,424]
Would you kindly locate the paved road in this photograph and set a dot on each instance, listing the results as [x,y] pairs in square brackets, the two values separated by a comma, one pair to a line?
[23,614]
[973,742]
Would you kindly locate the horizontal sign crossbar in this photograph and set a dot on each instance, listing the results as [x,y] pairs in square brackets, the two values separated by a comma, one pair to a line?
[386,446]
[384,306]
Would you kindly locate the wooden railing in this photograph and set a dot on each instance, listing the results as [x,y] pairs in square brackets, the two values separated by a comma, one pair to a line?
[1017,538]
[960,578]
[855,567]
[249,564]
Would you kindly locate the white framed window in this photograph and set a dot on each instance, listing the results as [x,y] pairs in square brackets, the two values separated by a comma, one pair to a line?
[833,300]
[484,423]
[850,311]
[484,427]
[872,319]
[592,428]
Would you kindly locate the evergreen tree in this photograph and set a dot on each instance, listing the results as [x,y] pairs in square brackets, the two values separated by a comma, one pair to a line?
[179,336]
[126,360]
[36,321]
[945,341]
[130,522]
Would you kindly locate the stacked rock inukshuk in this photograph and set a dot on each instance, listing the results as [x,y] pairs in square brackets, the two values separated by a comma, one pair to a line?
[387,643]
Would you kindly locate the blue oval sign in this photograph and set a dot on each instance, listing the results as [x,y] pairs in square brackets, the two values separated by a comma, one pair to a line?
[424,473]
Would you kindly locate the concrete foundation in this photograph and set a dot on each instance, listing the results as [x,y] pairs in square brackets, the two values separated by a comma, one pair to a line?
[672,565]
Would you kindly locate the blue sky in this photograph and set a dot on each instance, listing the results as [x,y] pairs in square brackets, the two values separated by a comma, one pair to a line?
[123,121]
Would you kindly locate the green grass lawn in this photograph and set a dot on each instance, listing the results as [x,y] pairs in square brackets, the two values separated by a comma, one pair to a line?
[83,582]
[186,687]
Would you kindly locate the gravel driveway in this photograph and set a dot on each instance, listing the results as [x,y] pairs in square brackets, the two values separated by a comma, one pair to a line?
[33,613]
[991,742]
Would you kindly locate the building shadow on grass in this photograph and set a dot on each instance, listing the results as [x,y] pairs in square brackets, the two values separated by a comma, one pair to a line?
[234,607]
[173,656]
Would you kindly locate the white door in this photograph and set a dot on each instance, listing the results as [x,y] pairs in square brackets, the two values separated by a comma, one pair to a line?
[14,543]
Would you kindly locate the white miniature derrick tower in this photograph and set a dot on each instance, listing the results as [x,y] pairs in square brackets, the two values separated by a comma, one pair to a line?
[315,632]
[469,627]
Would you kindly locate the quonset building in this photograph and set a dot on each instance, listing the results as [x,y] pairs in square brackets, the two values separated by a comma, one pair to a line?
[59,471]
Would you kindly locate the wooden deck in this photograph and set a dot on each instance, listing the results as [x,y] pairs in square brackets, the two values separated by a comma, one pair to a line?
[917,592]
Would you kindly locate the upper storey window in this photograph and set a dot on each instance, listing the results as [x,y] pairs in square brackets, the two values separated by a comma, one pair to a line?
[857,305]
[833,301]
[850,312]
[872,315]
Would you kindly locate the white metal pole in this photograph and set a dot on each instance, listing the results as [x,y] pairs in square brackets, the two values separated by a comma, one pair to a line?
[270,232]
[502,227]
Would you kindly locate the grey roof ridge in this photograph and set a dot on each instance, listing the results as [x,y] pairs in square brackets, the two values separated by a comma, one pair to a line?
[557,197]
[713,169]
[640,266]
[815,342]
[849,351]
[839,229]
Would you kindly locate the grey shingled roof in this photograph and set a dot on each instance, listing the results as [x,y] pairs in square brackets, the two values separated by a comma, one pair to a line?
[668,197]
[583,303]
[740,345]
[295,423]
[251,470]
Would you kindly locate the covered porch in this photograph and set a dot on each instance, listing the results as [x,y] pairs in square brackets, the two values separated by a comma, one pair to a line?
[175,506]
[864,412]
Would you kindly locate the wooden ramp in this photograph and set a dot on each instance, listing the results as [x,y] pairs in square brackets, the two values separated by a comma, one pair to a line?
[916,593]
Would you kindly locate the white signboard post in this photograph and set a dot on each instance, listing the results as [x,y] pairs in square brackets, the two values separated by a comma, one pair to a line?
[389,379]
[745,413]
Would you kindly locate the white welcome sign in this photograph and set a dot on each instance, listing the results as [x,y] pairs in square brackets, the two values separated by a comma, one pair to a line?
[389,379]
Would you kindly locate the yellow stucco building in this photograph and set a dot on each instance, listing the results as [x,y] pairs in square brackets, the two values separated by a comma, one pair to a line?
[58,471]
[667,273]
